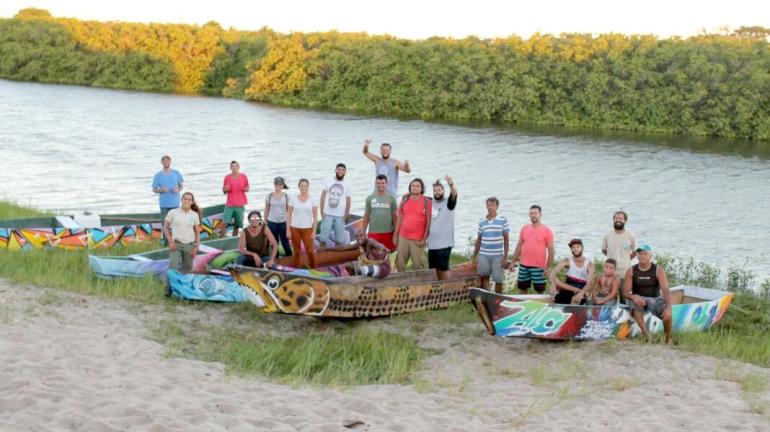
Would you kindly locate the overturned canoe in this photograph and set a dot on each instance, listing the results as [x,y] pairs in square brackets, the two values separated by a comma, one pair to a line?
[534,316]
[64,232]
[355,296]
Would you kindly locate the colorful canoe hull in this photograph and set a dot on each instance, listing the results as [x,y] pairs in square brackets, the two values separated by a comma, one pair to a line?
[205,287]
[533,317]
[356,296]
[15,236]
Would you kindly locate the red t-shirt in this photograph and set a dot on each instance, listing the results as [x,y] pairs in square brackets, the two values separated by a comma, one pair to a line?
[535,242]
[414,214]
[236,196]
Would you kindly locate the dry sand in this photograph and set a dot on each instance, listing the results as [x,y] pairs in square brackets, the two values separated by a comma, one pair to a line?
[69,362]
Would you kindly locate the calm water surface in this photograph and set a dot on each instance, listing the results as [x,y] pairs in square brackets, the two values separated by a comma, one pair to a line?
[72,148]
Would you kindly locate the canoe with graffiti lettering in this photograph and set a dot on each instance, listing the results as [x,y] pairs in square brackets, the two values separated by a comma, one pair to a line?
[355,296]
[534,316]
[91,231]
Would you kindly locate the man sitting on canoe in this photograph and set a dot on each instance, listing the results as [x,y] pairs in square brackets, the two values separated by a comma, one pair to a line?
[374,259]
[646,289]
[580,271]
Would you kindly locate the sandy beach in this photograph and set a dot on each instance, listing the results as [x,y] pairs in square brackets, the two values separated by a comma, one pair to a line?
[71,362]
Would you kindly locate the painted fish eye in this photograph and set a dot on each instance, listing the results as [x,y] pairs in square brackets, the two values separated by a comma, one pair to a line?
[273,283]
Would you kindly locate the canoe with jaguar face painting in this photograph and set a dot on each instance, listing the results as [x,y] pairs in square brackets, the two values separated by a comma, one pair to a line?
[355,296]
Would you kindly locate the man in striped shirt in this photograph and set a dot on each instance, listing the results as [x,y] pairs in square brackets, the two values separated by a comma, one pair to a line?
[491,251]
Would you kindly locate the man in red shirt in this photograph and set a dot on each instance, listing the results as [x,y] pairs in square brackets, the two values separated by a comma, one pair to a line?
[235,187]
[535,249]
[412,227]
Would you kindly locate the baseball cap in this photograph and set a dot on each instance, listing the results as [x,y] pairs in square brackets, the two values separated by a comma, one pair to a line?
[280,181]
[575,241]
[644,248]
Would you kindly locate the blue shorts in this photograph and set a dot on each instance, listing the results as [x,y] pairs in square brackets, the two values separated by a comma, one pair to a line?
[531,276]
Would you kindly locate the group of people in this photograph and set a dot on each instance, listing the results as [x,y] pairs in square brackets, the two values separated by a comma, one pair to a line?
[408,225]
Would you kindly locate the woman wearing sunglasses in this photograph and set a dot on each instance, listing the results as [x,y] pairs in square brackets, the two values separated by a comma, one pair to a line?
[257,244]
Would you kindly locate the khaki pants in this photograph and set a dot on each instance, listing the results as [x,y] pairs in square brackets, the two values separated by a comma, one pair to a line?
[181,259]
[408,249]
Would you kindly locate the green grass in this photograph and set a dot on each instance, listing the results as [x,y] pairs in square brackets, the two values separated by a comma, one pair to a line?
[68,270]
[744,332]
[346,357]
[10,210]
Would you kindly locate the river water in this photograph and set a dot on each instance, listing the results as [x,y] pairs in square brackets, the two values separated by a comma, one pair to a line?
[71,148]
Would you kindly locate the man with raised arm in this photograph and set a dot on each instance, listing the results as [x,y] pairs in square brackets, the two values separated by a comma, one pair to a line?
[386,166]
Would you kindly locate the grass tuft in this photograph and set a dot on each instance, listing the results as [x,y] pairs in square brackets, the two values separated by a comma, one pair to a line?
[348,357]
[11,210]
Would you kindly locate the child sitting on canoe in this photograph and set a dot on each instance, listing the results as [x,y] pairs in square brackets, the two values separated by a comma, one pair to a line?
[605,286]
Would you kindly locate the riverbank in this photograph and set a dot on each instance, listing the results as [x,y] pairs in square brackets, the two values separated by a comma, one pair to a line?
[743,334]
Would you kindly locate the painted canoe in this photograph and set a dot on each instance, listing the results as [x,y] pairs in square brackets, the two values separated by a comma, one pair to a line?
[156,262]
[205,287]
[64,232]
[220,286]
[355,296]
[534,316]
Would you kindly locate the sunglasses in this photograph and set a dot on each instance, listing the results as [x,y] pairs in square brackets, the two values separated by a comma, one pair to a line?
[256,219]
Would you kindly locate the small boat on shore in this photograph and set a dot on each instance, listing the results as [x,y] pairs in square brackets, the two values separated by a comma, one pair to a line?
[355,296]
[534,316]
[218,252]
[156,262]
[215,253]
[91,231]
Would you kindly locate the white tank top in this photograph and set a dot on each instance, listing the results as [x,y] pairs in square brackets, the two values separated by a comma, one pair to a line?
[578,273]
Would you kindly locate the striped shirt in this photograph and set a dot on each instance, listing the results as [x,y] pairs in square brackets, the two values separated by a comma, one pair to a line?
[491,233]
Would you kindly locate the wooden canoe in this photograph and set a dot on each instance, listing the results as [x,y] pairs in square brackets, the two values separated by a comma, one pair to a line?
[534,316]
[62,232]
[355,296]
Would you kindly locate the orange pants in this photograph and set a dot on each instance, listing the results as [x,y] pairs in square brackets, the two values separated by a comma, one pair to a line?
[304,236]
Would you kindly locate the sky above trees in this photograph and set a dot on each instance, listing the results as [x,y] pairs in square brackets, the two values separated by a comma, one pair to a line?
[422,19]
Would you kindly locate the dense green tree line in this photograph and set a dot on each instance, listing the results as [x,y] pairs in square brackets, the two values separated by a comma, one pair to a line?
[45,52]
[713,85]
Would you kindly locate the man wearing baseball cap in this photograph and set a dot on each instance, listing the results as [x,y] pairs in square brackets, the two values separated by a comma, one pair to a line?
[646,289]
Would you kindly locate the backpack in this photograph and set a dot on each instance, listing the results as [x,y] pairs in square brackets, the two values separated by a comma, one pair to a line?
[424,204]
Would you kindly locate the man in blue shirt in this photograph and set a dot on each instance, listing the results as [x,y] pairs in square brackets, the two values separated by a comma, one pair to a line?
[167,183]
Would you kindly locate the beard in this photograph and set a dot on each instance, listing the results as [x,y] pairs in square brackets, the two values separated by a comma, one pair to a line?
[338,177]
[384,157]
[578,255]
[619,225]
[438,197]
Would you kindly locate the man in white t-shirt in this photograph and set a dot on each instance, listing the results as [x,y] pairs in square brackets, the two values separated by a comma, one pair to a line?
[620,244]
[335,207]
